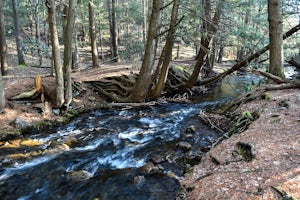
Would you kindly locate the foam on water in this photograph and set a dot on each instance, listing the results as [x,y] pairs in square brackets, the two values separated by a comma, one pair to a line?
[22,166]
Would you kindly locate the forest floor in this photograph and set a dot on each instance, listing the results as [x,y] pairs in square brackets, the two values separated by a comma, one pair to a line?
[275,141]
[274,136]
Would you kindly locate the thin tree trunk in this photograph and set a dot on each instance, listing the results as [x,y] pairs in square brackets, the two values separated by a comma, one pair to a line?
[167,52]
[275,35]
[209,30]
[101,43]
[17,33]
[145,18]
[2,95]
[38,31]
[93,35]
[56,53]
[142,85]
[113,29]
[75,54]
[68,52]
[3,46]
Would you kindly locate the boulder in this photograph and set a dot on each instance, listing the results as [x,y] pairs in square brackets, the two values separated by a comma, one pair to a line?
[19,123]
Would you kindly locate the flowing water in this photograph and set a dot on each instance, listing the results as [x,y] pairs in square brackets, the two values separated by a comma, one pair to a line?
[114,154]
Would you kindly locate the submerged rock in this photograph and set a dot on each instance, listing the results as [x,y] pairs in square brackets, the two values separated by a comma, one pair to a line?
[158,159]
[78,175]
[185,146]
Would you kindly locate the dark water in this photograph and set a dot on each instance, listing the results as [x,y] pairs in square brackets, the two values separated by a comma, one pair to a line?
[114,154]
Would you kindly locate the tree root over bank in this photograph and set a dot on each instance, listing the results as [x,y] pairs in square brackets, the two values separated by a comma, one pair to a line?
[230,121]
[119,88]
[229,124]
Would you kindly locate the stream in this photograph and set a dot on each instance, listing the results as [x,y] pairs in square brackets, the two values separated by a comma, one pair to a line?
[115,154]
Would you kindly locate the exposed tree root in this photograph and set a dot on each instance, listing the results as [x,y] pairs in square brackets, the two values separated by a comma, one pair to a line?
[119,88]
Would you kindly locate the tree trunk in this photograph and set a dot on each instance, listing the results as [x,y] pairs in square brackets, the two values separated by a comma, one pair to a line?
[68,52]
[38,31]
[113,29]
[166,55]
[2,95]
[3,47]
[142,85]
[56,53]
[93,35]
[275,36]
[209,29]
[21,60]
[145,18]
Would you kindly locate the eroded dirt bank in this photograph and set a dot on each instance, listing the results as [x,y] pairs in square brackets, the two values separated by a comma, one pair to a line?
[274,173]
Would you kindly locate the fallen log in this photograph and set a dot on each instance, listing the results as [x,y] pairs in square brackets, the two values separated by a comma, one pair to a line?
[269,75]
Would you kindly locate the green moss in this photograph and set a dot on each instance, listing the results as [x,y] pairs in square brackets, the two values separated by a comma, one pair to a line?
[266,96]
[70,115]
[247,114]
[6,134]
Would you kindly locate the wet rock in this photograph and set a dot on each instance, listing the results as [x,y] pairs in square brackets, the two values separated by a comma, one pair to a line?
[55,147]
[185,146]
[189,136]
[19,123]
[158,159]
[150,168]
[31,143]
[78,175]
[190,129]
[72,143]
[193,157]
[139,181]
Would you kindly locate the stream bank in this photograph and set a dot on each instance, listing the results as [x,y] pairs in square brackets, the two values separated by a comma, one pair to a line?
[274,172]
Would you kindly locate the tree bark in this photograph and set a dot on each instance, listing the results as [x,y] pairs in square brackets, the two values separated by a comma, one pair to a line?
[145,18]
[38,31]
[166,55]
[56,53]
[21,60]
[2,95]
[93,35]
[142,85]
[209,29]
[3,46]
[113,29]
[275,37]
[68,52]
